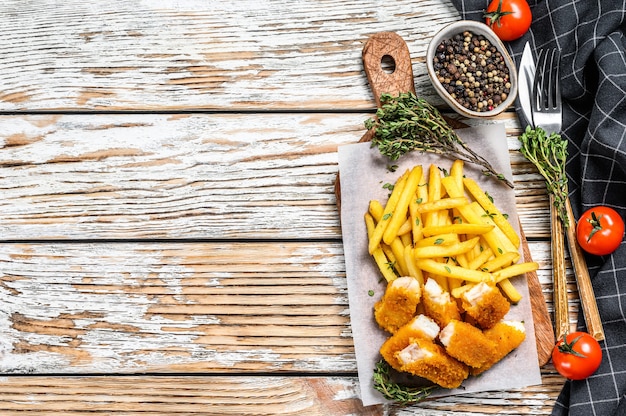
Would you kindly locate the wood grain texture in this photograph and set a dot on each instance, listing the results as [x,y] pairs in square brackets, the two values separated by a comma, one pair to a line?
[181,55]
[559,279]
[242,396]
[245,176]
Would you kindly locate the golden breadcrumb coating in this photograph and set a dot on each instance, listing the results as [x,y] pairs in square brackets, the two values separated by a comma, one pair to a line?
[398,305]
[438,304]
[419,327]
[485,304]
[424,358]
[467,344]
[506,335]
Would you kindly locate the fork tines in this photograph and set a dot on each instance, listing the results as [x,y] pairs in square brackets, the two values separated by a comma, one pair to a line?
[547,79]
[546,91]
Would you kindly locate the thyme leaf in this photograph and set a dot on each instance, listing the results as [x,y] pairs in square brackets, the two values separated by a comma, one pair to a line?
[394,391]
[548,153]
[406,122]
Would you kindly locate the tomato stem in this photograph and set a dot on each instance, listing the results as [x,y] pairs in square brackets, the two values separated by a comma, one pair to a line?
[495,16]
[568,347]
[595,222]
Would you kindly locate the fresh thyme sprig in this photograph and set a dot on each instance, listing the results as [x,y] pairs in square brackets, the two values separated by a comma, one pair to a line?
[394,391]
[549,154]
[406,122]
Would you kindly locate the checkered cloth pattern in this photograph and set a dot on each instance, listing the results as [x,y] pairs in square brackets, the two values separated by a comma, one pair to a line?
[590,35]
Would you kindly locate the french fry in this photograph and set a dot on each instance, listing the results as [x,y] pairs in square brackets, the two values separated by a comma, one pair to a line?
[379,256]
[485,201]
[481,258]
[412,268]
[434,194]
[440,239]
[463,228]
[416,220]
[406,227]
[406,239]
[454,283]
[456,171]
[462,260]
[384,265]
[392,262]
[443,203]
[510,291]
[376,209]
[515,270]
[399,212]
[455,272]
[457,292]
[397,248]
[370,224]
[381,225]
[445,251]
[500,261]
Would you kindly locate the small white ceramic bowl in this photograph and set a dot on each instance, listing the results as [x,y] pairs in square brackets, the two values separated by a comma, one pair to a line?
[477,28]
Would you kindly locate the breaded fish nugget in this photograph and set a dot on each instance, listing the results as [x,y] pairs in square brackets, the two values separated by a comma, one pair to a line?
[399,303]
[485,304]
[419,327]
[424,358]
[467,344]
[506,335]
[438,304]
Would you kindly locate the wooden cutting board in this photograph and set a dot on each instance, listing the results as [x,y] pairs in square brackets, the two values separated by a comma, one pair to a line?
[387,64]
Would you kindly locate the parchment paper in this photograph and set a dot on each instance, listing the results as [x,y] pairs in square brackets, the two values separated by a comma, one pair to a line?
[363,172]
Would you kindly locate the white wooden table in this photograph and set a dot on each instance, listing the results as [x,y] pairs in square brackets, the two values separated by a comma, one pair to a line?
[170,242]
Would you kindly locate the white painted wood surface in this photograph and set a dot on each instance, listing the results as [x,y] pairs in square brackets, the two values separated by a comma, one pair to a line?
[194,54]
[170,242]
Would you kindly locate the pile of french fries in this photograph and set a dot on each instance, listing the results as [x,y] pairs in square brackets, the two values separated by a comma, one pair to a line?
[442,225]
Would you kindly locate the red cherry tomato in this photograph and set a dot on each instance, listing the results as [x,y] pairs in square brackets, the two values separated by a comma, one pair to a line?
[600,230]
[578,356]
[509,19]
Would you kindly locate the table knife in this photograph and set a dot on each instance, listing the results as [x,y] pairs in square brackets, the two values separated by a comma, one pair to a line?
[526,75]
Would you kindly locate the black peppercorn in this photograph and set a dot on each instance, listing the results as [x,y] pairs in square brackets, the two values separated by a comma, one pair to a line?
[472,71]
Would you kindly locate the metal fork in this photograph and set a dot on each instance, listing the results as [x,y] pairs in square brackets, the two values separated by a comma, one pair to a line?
[547,114]
[546,103]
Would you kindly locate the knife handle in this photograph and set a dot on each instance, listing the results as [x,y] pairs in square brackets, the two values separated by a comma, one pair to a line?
[559,280]
[585,289]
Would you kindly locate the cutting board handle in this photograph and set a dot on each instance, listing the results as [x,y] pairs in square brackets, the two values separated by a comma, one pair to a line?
[397,77]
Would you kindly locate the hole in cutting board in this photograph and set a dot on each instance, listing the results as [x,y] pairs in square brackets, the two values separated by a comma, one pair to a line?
[388,64]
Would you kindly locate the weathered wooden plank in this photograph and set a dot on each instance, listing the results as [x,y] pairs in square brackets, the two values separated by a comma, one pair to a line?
[208,176]
[174,307]
[247,395]
[186,307]
[159,55]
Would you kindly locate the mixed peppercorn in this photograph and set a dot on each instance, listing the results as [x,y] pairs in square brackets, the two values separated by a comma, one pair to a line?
[473,71]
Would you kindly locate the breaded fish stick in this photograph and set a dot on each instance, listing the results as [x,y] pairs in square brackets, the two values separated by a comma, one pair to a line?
[438,304]
[485,304]
[424,358]
[399,303]
[506,335]
[467,344]
[419,327]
